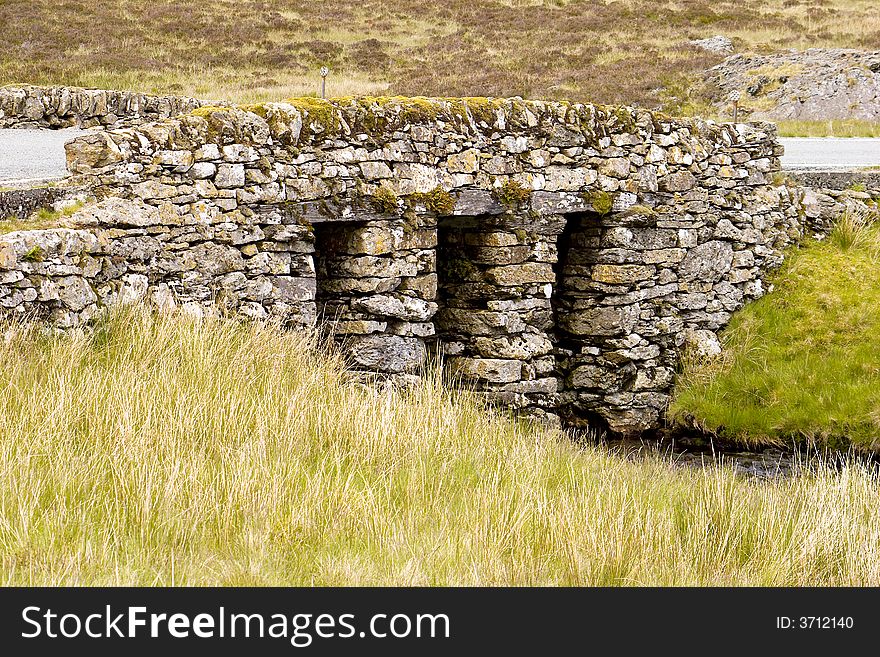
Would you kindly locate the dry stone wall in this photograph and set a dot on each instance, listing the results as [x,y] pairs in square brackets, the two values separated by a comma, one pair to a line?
[559,257]
[122,251]
[65,107]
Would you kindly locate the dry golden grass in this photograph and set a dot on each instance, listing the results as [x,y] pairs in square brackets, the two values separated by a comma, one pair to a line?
[831,128]
[598,51]
[174,451]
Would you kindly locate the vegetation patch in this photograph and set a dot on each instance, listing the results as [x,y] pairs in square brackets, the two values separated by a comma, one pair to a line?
[34,254]
[802,362]
[601,201]
[41,219]
[830,128]
[385,200]
[320,117]
[437,200]
[511,194]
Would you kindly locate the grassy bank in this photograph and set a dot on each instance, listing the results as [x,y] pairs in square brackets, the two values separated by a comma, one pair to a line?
[172,451]
[246,51]
[803,361]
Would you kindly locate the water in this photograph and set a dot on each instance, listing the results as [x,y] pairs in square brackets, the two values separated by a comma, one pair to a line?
[692,451]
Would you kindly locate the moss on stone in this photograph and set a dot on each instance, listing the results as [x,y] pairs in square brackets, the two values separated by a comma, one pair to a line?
[34,254]
[512,194]
[482,109]
[320,117]
[460,269]
[379,116]
[259,109]
[642,210]
[411,222]
[437,200]
[207,111]
[385,200]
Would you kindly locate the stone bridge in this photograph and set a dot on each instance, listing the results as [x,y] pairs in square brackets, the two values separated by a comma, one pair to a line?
[559,257]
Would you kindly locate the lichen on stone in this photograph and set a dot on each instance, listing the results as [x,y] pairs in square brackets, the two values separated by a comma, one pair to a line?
[601,201]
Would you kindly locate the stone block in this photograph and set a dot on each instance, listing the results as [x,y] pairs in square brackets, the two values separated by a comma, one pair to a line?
[229,176]
[492,370]
[522,274]
[622,274]
[386,353]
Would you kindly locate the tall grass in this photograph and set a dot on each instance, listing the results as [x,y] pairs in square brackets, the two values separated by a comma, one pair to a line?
[174,451]
[803,361]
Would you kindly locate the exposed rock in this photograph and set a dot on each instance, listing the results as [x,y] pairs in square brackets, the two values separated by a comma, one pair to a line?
[706,262]
[815,84]
[393,354]
[93,151]
[718,44]
[701,344]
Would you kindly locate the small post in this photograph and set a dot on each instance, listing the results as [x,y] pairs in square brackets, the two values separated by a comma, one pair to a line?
[324,73]
[734,98]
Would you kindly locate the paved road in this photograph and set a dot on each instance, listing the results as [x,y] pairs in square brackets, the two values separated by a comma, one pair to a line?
[39,154]
[33,154]
[830,153]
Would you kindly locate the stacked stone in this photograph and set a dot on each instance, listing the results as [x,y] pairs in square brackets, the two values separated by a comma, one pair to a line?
[64,107]
[614,332]
[496,323]
[125,251]
[822,207]
[51,274]
[377,291]
[638,287]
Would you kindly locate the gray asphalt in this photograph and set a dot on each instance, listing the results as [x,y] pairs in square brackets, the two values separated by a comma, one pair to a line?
[27,155]
[31,155]
[830,153]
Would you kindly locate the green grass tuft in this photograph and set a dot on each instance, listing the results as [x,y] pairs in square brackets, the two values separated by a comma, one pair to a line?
[41,219]
[511,194]
[437,200]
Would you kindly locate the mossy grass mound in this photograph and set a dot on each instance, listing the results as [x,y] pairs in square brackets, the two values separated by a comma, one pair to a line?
[803,362]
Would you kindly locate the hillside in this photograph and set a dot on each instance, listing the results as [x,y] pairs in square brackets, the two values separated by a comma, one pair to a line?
[623,51]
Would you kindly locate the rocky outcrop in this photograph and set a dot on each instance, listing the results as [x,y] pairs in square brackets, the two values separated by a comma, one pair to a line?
[63,107]
[558,256]
[816,84]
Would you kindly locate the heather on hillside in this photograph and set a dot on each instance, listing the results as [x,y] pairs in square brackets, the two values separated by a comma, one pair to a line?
[609,52]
